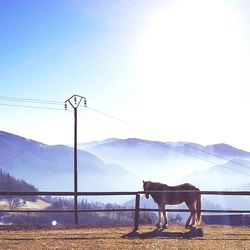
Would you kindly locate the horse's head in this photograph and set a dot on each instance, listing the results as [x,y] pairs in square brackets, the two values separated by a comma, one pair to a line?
[145,188]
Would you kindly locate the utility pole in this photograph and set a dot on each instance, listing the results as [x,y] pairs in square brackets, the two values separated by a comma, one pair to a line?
[75,101]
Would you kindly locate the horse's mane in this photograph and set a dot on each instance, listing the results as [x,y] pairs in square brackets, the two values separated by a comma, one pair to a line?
[157,186]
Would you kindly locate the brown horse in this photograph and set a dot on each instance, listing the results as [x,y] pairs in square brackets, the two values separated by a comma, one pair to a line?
[192,199]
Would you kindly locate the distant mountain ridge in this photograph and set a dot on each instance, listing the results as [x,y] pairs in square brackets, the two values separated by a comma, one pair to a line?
[165,161]
[50,168]
[221,150]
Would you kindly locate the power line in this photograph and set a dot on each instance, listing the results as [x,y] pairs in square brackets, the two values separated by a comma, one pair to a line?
[97,121]
[18,99]
[31,107]
[125,122]
[236,170]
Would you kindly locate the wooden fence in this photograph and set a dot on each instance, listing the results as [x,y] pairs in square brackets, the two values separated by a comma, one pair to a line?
[136,209]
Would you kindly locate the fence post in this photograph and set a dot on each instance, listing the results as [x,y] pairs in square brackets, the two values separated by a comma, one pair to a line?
[137,211]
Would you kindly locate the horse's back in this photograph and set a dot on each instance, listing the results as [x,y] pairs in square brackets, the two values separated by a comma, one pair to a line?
[185,186]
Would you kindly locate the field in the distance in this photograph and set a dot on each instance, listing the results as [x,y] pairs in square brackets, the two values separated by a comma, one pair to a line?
[111,237]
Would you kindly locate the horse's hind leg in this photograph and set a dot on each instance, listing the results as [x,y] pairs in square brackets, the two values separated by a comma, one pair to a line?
[188,226]
[192,217]
[194,222]
[165,224]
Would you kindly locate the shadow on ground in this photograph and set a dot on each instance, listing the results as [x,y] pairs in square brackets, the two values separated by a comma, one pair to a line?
[159,233]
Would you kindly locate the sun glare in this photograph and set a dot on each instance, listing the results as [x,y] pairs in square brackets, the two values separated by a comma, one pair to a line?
[188,43]
[189,52]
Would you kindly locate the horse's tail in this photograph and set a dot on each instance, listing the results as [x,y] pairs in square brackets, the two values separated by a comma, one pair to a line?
[199,217]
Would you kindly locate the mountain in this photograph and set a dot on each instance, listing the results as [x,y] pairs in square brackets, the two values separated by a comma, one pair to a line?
[50,168]
[163,161]
[233,174]
[226,151]
[122,164]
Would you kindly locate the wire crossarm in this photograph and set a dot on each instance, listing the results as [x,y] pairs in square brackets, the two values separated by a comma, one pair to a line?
[75,101]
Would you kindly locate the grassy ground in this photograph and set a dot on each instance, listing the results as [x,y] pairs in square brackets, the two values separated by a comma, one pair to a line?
[118,237]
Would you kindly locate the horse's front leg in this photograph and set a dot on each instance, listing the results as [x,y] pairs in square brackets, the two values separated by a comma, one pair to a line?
[159,223]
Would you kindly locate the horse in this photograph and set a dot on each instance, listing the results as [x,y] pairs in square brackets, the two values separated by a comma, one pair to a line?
[192,200]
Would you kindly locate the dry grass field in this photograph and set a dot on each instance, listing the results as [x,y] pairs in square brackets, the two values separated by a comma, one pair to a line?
[115,237]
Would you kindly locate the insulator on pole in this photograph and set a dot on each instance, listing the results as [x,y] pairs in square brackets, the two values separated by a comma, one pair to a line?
[65,106]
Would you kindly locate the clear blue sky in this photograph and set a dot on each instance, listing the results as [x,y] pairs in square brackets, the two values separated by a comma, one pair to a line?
[177,68]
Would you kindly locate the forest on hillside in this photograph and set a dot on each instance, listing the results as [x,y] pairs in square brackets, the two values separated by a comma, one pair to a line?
[10,184]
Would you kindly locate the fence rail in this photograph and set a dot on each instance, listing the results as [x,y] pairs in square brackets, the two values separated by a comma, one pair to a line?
[136,210]
[9,193]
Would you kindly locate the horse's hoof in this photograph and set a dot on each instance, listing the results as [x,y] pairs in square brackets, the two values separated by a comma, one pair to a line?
[191,227]
[158,225]
[165,226]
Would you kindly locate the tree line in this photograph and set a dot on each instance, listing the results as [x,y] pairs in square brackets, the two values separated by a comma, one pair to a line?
[10,184]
